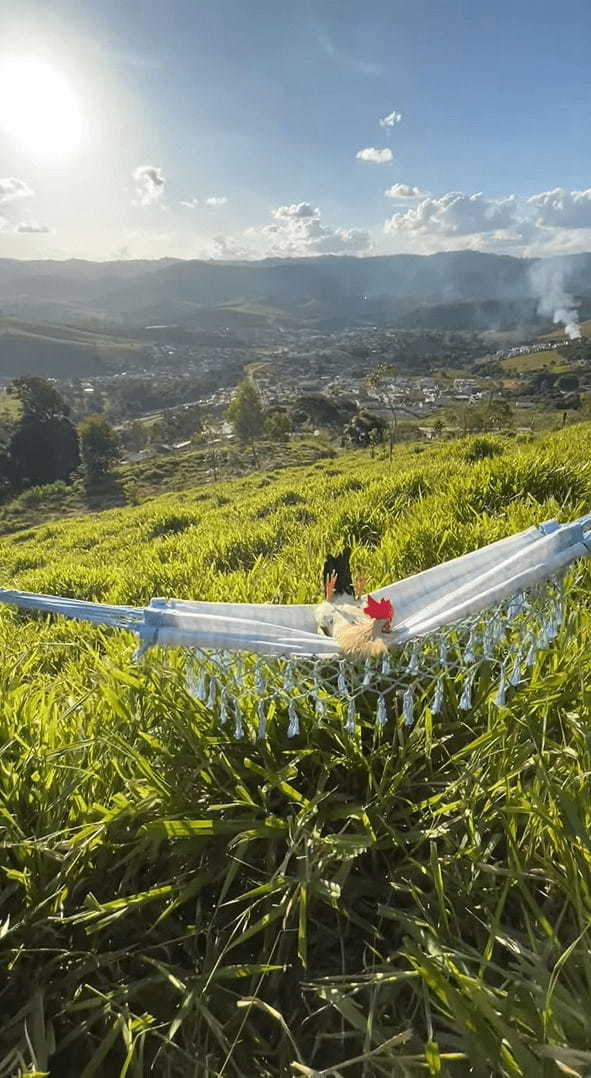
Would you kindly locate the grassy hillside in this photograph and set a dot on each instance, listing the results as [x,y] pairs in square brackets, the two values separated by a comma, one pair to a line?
[61,351]
[392,902]
[536,361]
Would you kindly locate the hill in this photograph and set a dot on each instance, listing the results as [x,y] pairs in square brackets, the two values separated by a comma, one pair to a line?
[328,291]
[178,902]
[536,361]
[61,351]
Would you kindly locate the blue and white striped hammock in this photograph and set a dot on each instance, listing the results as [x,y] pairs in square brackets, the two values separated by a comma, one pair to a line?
[499,605]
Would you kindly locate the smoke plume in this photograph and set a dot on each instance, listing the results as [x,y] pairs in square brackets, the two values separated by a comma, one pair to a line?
[548,283]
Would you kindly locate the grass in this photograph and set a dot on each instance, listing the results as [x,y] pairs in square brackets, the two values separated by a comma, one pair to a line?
[131,484]
[404,902]
[536,361]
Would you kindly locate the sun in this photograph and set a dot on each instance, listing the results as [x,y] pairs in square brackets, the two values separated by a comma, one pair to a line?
[38,108]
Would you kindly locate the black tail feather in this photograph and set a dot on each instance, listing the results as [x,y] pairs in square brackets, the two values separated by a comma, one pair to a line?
[339,564]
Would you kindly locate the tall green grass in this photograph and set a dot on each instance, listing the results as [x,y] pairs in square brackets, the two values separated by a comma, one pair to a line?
[401,902]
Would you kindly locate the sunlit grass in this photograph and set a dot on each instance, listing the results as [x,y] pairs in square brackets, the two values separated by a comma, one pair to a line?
[177,903]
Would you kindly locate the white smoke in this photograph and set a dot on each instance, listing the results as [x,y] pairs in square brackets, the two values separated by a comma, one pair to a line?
[548,282]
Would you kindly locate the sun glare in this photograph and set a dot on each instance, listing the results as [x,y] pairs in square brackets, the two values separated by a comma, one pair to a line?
[38,108]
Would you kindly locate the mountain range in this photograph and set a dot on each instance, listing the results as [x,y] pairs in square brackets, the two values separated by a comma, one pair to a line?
[463,290]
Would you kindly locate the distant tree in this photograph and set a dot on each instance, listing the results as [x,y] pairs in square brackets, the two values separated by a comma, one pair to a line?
[277,426]
[246,415]
[42,451]
[136,435]
[498,414]
[39,399]
[43,447]
[365,429]
[438,427]
[99,446]
[382,382]
[469,417]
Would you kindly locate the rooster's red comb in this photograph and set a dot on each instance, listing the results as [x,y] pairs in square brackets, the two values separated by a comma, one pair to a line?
[379,608]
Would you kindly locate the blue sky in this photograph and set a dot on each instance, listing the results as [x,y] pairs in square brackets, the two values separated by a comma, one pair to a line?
[120,120]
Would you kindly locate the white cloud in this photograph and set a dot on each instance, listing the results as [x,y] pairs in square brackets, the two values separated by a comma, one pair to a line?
[391,119]
[190,204]
[11,188]
[456,213]
[296,232]
[32,228]
[400,191]
[216,200]
[297,211]
[150,183]
[227,247]
[376,157]
[562,209]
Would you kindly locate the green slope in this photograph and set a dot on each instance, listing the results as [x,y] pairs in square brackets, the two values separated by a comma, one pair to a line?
[178,903]
[61,351]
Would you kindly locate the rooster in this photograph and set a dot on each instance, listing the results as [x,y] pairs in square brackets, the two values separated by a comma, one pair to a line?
[356,621]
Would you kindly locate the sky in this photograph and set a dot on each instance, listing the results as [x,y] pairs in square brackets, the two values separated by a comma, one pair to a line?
[234,129]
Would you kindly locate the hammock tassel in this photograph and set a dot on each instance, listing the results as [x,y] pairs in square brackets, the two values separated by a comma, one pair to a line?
[502,690]
[238,727]
[470,652]
[212,694]
[437,697]
[532,654]
[488,641]
[342,686]
[466,697]
[197,686]
[408,707]
[443,653]
[351,717]
[294,722]
[381,714]
[224,708]
[413,665]
[288,681]
[262,728]
[367,676]
[515,676]
[320,708]
[259,682]
[516,606]
[386,665]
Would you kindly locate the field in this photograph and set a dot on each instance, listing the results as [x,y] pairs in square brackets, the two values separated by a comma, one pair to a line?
[536,361]
[62,351]
[384,903]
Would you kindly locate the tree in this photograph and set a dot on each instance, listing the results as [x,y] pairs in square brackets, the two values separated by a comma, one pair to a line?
[99,447]
[438,427]
[44,444]
[498,414]
[383,383]
[278,426]
[365,429]
[42,451]
[39,399]
[246,415]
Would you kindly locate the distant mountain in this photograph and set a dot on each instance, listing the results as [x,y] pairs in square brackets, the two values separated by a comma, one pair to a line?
[331,292]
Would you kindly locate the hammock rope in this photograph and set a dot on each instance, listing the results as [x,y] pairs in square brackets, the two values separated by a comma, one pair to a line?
[493,609]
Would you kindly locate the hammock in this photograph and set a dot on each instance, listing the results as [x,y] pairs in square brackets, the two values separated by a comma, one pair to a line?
[499,605]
